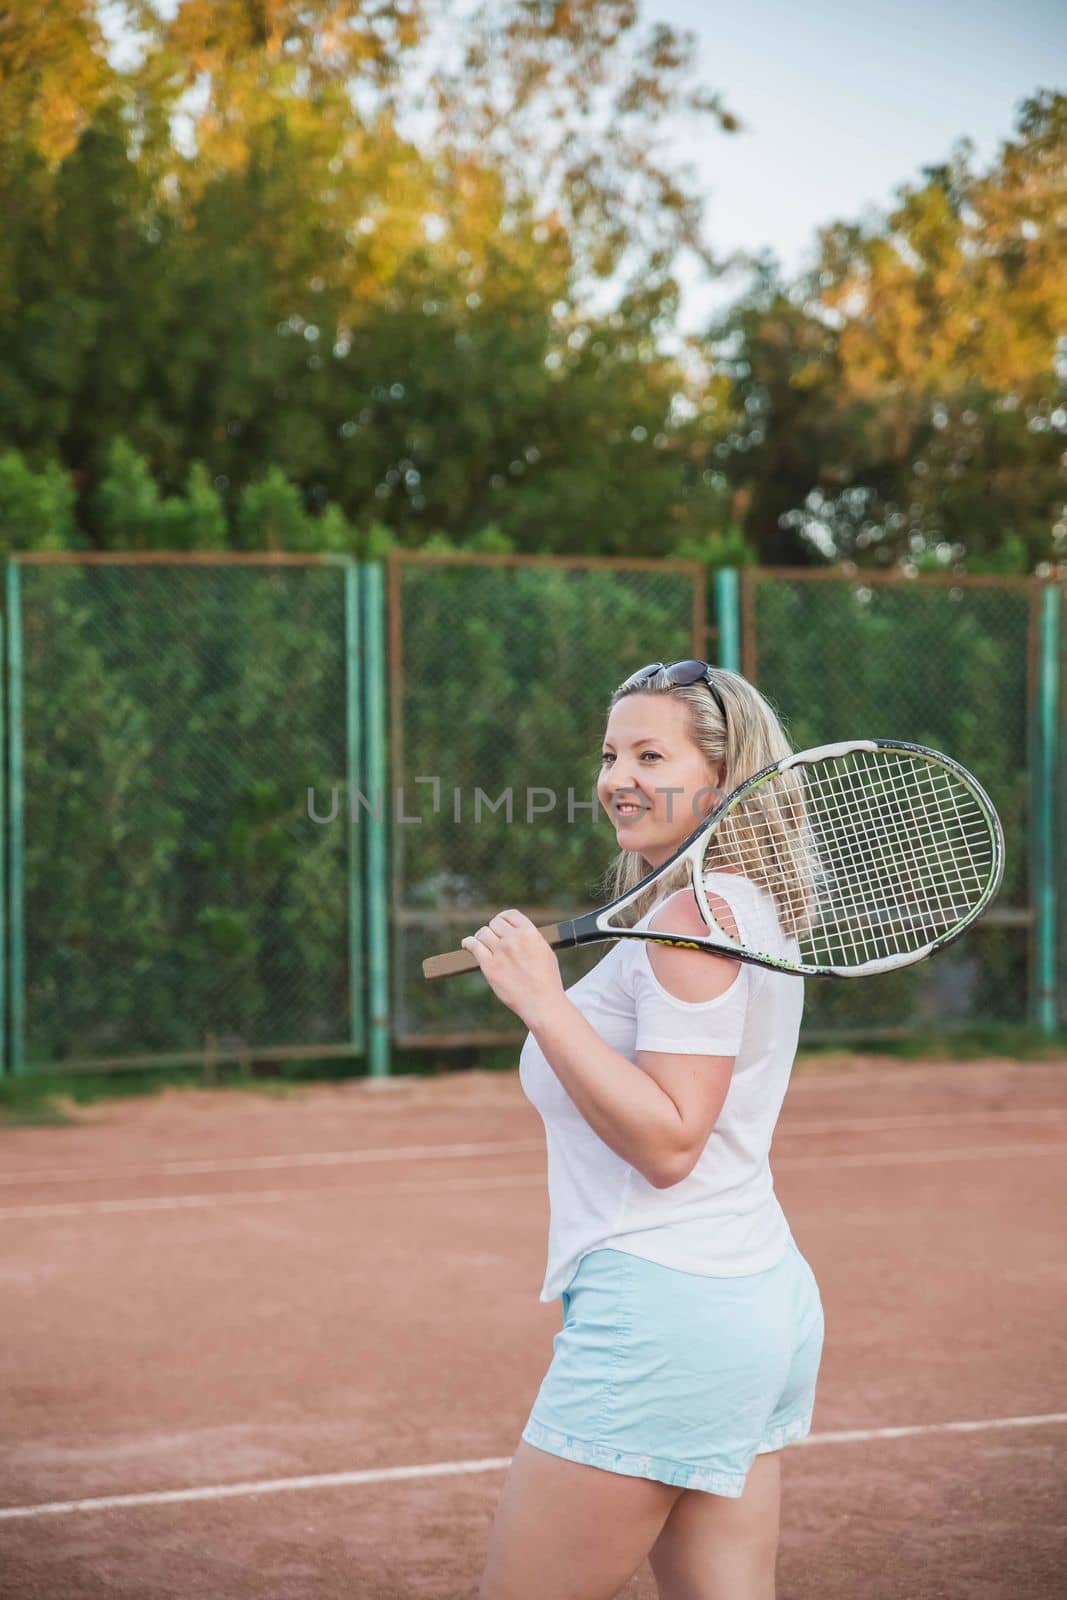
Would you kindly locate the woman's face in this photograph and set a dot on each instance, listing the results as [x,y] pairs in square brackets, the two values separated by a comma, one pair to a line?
[650,762]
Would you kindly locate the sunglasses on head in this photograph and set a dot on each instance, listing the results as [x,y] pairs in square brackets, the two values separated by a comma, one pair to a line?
[681,675]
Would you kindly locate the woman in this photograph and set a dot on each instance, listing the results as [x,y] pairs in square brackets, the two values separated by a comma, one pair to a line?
[692,1324]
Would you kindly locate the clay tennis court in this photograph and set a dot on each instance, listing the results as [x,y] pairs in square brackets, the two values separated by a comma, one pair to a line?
[262,1345]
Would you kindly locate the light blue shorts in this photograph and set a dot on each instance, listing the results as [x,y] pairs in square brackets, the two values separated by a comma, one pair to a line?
[664,1374]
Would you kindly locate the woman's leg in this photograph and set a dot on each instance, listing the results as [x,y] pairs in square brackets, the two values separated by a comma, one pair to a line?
[570,1532]
[715,1548]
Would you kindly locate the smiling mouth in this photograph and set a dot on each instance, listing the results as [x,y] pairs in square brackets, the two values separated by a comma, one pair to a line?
[627,812]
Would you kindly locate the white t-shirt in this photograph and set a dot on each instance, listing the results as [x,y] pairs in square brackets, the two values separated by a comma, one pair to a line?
[724,1219]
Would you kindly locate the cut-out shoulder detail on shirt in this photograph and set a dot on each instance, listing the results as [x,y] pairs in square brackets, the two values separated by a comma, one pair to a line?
[687,976]
[739,918]
[690,1005]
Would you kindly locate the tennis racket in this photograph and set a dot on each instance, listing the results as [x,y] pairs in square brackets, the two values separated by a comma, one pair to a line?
[877,854]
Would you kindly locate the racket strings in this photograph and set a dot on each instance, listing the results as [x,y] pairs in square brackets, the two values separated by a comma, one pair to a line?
[904,861]
[765,838]
[894,821]
[942,866]
[908,857]
[874,854]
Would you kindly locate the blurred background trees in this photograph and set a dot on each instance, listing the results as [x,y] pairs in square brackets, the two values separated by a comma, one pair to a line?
[909,397]
[329,275]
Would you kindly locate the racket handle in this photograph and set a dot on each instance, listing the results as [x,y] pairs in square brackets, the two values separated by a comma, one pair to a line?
[453,961]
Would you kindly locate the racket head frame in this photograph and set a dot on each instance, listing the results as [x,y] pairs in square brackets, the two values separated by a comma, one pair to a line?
[593,926]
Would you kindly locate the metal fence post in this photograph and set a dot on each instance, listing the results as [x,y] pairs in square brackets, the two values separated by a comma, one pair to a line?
[375,772]
[1045,877]
[728,618]
[353,723]
[16,959]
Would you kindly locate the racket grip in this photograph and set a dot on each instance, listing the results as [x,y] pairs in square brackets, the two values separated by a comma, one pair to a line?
[453,961]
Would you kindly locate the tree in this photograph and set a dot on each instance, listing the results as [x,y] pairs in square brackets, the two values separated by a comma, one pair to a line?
[908,395]
[395,323]
[54,72]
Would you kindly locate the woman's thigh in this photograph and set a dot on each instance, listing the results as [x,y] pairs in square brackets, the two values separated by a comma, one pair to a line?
[714,1547]
[569,1531]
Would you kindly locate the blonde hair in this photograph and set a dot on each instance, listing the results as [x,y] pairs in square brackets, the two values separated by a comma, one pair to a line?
[774,835]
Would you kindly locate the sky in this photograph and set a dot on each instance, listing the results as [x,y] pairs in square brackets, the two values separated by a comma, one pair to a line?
[844,100]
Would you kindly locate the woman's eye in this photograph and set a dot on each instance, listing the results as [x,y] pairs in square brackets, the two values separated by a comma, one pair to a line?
[606,757]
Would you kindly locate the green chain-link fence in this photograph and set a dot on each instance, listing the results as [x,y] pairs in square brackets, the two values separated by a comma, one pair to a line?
[518,697]
[952,664]
[501,670]
[168,894]
[172,890]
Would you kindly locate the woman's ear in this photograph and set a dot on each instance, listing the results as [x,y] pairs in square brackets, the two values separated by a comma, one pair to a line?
[709,799]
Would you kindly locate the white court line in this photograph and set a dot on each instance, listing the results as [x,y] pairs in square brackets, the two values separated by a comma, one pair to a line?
[438,1469]
[77,1208]
[311,1158]
[449,1152]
